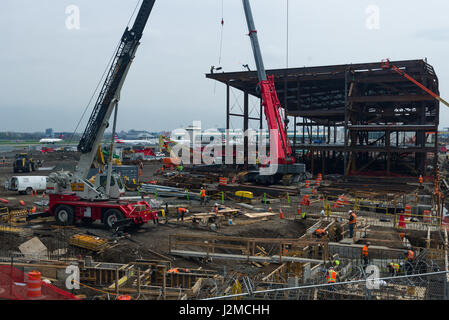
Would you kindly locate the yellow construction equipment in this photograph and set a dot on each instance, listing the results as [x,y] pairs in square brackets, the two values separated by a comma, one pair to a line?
[89,242]
[244,194]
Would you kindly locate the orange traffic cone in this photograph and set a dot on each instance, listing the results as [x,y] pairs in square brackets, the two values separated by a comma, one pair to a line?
[281,214]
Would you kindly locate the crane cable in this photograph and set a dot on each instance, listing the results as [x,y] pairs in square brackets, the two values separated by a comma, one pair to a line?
[221,40]
[221,35]
[103,76]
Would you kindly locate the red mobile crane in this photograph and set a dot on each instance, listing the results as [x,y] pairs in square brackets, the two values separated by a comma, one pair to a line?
[285,160]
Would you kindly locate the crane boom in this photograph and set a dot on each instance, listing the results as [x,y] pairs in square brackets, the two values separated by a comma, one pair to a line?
[270,101]
[110,92]
[386,65]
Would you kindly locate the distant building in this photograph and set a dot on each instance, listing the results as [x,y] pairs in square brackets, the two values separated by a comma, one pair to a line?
[49,132]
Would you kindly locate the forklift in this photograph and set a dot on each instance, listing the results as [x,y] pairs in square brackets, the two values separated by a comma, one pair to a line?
[24,163]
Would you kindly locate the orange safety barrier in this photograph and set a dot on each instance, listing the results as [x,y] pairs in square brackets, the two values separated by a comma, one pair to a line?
[317,182]
[307,184]
[125,297]
[408,211]
[223,181]
[34,284]
[339,203]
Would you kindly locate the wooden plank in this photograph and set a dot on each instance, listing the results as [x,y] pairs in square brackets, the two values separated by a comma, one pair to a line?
[259,214]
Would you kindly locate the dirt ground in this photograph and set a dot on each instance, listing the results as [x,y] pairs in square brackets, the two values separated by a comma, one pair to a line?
[149,236]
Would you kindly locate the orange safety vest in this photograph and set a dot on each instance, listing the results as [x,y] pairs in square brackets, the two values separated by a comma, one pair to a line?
[320,231]
[353,220]
[420,179]
[174,270]
[331,276]
[365,251]
[182,210]
[203,193]
[410,255]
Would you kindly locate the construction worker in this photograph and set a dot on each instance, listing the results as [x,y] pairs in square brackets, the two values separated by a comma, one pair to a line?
[331,277]
[337,263]
[394,268]
[409,257]
[181,213]
[319,233]
[365,255]
[203,196]
[303,215]
[352,222]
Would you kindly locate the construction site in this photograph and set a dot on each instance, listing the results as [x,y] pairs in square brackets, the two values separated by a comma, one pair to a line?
[354,210]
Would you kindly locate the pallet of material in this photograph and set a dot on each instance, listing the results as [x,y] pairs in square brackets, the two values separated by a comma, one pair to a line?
[89,242]
[254,215]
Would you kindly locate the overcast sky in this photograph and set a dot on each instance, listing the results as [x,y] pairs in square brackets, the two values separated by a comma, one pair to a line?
[49,71]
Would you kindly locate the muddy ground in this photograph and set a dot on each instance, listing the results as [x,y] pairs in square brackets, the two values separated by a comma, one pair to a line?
[150,236]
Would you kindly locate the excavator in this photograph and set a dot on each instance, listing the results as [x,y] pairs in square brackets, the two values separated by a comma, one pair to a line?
[282,159]
[72,197]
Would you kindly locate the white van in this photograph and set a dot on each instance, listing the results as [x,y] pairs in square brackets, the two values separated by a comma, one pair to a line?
[27,184]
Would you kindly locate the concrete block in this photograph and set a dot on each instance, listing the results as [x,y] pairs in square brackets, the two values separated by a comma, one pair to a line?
[33,248]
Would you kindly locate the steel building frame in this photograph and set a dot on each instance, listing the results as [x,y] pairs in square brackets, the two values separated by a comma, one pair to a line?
[385,118]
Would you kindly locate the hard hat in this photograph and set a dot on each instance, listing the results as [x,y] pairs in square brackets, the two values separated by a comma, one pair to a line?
[216,204]
[350,211]
[331,268]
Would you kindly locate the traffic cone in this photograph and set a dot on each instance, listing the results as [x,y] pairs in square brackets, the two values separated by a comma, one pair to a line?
[281,214]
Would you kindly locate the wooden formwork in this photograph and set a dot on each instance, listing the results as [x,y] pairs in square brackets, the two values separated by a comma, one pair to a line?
[292,250]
